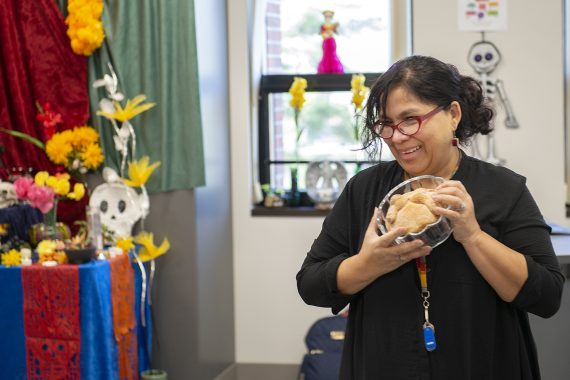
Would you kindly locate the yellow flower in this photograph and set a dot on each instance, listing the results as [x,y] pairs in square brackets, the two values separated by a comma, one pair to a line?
[131,110]
[41,178]
[297,91]
[359,90]
[46,247]
[85,29]
[139,172]
[11,258]
[59,147]
[92,156]
[126,244]
[149,251]
[77,193]
[59,183]
[84,136]
[4,229]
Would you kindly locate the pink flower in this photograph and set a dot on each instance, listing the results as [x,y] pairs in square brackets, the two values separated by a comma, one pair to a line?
[22,186]
[41,197]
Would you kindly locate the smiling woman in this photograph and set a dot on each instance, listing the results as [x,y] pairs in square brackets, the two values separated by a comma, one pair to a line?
[409,316]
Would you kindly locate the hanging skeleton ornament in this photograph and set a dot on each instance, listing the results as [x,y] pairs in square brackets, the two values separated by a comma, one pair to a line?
[484,58]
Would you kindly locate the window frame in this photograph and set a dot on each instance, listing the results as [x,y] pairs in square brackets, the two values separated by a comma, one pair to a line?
[280,83]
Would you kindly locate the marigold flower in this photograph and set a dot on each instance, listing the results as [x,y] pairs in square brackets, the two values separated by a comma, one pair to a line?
[83,136]
[58,148]
[11,258]
[92,156]
[85,29]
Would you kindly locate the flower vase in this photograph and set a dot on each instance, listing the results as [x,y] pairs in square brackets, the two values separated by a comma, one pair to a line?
[358,167]
[50,229]
[294,199]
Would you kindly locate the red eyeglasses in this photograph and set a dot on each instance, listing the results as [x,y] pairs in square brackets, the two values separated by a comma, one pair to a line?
[409,126]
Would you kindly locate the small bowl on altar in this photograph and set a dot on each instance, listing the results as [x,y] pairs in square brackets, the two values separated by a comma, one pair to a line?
[432,234]
[80,255]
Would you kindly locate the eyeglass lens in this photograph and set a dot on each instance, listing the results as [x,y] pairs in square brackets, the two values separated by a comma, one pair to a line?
[406,127]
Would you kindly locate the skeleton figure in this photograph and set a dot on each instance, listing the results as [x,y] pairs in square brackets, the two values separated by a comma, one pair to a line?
[484,58]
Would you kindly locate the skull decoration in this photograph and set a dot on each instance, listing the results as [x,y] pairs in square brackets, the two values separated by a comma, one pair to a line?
[120,205]
[484,57]
[7,194]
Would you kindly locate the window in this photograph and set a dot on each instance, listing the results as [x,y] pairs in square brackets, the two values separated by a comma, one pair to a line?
[365,43]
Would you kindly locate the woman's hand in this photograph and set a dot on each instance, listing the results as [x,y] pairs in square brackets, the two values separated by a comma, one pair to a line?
[460,213]
[381,252]
[503,268]
[378,256]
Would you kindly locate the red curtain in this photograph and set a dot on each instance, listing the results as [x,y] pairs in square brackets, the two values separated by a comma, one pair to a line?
[37,65]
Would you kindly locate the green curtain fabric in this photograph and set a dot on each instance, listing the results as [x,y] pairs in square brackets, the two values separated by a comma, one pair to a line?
[152,47]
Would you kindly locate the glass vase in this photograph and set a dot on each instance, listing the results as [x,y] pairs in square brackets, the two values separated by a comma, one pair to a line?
[50,222]
[50,229]
[294,198]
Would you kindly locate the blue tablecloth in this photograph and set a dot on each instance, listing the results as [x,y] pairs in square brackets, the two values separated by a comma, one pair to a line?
[98,348]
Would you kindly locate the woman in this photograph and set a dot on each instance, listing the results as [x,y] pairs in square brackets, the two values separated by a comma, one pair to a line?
[498,264]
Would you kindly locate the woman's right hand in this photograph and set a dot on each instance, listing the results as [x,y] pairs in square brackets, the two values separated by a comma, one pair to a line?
[381,252]
[377,256]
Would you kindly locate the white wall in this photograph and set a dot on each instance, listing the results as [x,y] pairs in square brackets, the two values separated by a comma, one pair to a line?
[271,320]
[532,70]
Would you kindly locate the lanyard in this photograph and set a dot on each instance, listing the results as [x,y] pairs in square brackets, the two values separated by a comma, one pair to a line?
[429,329]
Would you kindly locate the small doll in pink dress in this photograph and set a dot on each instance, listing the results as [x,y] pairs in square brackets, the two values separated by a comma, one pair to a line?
[330,63]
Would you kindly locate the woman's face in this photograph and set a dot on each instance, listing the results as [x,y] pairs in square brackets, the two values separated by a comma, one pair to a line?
[429,151]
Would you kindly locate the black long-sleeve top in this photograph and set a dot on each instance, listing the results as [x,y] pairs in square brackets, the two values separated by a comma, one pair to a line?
[479,336]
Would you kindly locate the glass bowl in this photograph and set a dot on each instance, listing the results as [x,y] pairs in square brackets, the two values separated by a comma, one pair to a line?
[433,234]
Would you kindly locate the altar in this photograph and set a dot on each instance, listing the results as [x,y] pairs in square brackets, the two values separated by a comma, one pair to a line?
[40,340]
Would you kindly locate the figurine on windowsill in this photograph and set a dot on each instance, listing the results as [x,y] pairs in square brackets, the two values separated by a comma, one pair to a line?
[330,63]
[272,198]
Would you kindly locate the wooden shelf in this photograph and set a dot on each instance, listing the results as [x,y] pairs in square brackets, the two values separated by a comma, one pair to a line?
[288,211]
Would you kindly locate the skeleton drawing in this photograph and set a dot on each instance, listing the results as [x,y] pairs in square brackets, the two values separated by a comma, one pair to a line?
[484,58]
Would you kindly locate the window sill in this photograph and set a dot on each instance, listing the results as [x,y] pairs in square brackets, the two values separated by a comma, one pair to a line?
[288,211]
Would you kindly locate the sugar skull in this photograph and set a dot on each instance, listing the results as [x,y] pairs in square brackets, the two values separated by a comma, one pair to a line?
[120,205]
[7,194]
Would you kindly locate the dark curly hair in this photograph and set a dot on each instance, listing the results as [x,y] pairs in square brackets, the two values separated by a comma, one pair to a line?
[432,81]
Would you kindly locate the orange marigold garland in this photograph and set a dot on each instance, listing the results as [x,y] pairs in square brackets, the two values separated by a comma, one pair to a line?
[85,28]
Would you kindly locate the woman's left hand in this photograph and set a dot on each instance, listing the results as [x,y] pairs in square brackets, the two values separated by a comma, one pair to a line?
[460,213]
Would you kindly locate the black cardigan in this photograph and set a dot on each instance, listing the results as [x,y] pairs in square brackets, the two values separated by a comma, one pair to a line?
[479,336]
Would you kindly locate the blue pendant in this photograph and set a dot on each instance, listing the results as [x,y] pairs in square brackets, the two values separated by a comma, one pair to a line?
[429,336]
